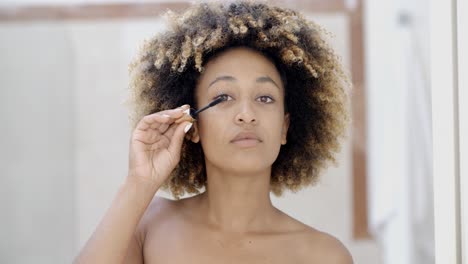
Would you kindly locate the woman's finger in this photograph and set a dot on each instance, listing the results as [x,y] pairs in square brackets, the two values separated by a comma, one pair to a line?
[163,127]
[166,116]
[170,131]
[153,120]
[146,137]
[183,118]
[175,113]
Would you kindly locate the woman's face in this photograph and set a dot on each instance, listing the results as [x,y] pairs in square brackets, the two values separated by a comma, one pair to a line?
[245,132]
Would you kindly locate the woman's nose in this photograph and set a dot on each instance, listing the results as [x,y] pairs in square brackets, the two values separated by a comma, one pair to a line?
[246,115]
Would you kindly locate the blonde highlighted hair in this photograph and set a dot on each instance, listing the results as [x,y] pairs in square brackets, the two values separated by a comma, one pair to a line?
[165,72]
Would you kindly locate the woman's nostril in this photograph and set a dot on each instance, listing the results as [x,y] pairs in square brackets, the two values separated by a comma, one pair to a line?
[246,119]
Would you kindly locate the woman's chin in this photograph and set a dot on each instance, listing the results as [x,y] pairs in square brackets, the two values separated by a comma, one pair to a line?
[247,166]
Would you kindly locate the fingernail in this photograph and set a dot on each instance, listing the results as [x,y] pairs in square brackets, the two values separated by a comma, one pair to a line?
[187,111]
[166,115]
[187,128]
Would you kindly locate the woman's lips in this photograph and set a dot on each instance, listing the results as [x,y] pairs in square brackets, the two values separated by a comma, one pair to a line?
[246,142]
[246,139]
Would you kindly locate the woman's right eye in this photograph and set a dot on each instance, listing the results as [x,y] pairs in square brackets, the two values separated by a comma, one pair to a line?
[225,97]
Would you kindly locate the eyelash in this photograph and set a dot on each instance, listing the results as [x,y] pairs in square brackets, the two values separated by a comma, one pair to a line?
[268,97]
[263,96]
[220,95]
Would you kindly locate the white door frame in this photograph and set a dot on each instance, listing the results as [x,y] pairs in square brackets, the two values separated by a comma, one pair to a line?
[462,45]
[449,113]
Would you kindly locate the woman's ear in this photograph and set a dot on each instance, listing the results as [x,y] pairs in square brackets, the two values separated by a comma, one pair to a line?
[284,131]
[193,133]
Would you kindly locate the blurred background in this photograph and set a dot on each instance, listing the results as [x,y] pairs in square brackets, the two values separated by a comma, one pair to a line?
[65,132]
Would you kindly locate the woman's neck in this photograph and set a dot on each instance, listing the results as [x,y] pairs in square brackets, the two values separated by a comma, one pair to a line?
[237,202]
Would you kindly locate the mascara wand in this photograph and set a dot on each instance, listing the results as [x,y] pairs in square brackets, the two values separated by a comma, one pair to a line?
[194,113]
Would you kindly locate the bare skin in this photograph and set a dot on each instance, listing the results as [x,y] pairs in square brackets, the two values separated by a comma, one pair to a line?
[233,221]
[176,232]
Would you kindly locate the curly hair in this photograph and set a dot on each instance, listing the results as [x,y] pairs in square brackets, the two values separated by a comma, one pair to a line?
[164,75]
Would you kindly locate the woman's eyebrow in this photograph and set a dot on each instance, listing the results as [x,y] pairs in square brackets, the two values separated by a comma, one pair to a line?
[266,79]
[223,78]
[263,79]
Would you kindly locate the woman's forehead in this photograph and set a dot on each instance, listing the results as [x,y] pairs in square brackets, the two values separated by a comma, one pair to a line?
[239,64]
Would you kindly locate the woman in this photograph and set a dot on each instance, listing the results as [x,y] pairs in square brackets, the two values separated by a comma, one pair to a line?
[280,112]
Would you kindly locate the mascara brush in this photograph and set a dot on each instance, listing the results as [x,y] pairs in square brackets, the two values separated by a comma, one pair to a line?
[194,113]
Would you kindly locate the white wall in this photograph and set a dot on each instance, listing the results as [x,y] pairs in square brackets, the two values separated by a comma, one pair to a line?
[37,158]
[71,2]
[400,132]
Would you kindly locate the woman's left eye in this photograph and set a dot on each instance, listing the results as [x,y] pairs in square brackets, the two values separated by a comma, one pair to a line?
[266,99]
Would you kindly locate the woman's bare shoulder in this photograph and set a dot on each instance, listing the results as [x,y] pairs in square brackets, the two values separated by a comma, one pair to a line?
[327,248]
[319,246]
[161,205]
[161,210]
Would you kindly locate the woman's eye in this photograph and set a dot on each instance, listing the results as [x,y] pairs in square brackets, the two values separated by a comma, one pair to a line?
[225,97]
[266,99]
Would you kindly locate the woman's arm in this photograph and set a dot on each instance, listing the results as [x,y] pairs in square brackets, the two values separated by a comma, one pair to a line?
[155,148]
[115,234]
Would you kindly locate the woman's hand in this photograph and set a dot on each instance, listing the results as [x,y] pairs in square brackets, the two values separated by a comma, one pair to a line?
[155,145]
